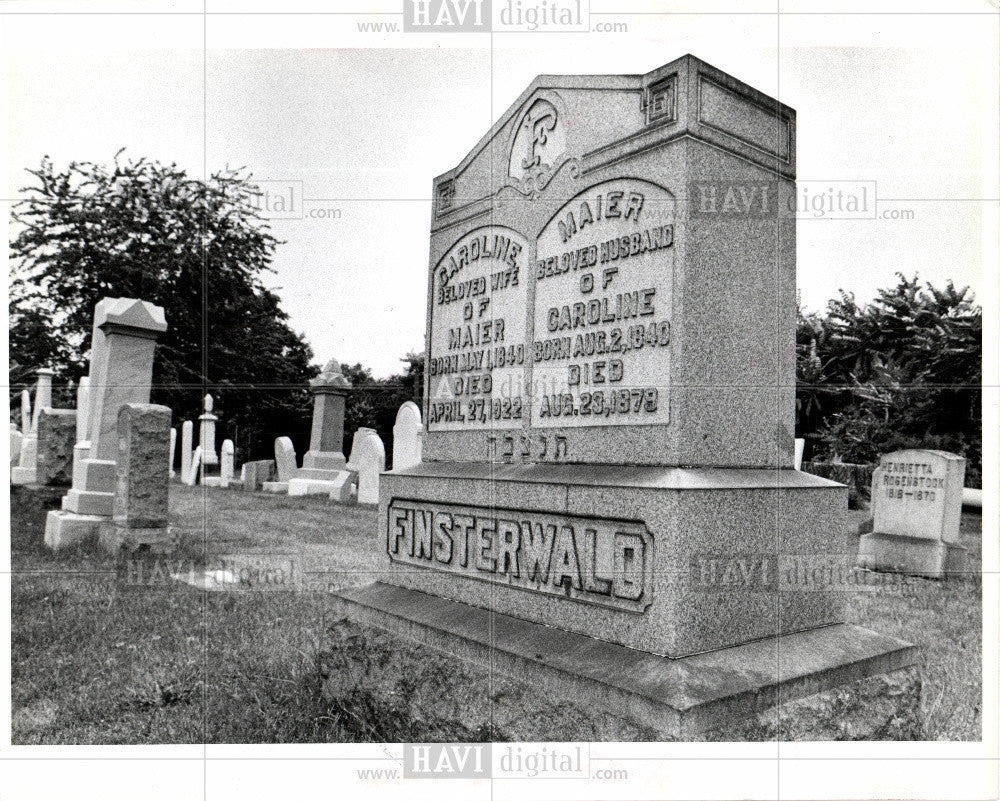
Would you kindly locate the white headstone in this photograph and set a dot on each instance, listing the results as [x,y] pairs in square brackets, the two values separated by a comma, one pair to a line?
[187,437]
[227,469]
[16,438]
[25,412]
[193,467]
[407,440]
[800,446]
[284,458]
[82,408]
[918,493]
[368,459]
[43,396]
[173,450]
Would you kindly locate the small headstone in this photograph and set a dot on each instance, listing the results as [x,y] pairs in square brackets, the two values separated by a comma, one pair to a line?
[142,479]
[173,450]
[194,467]
[368,459]
[407,441]
[256,473]
[16,438]
[228,469]
[82,408]
[56,439]
[284,458]
[25,412]
[917,508]
[800,447]
[187,437]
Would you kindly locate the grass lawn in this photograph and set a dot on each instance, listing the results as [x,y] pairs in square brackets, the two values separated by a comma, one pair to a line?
[107,651]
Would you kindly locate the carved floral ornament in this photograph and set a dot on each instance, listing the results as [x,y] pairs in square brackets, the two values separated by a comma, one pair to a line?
[538,149]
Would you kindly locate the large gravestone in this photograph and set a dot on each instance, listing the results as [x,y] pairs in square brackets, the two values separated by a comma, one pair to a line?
[323,470]
[56,440]
[121,370]
[609,405]
[917,508]
[142,480]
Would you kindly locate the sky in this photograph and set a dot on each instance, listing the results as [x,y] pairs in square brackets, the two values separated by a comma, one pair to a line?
[362,123]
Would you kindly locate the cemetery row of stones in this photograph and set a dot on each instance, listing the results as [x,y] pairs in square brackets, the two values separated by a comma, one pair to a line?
[116,451]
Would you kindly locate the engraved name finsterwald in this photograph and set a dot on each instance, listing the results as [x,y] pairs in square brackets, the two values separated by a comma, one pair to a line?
[605,562]
[479,333]
[604,272]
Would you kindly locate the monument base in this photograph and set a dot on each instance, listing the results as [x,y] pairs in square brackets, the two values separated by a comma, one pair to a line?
[276,487]
[89,502]
[23,475]
[913,556]
[113,537]
[336,484]
[64,529]
[573,687]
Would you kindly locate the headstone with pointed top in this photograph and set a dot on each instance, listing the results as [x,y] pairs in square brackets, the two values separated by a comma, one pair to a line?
[121,371]
[609,395]
[323,469]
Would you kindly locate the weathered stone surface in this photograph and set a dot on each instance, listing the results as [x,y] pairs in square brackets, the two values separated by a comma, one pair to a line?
[466,676]
[407,437]
[56,440]
[227,469]
[284,458]
[917,507]
[187,441]
[143,477]
[256,473]
[368,461]
[206,435]
[16,438]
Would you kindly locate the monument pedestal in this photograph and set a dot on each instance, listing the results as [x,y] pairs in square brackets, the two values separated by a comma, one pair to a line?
[912,556]
[617,693]
[673,561]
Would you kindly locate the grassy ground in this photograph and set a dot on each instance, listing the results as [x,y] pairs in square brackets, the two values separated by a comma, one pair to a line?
[118,652]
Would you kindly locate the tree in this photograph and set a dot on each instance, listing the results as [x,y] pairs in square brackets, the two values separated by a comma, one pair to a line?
[198,248]
[373,403]
[902,371]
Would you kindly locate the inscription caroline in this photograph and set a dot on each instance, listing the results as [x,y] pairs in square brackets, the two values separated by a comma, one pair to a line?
[606,562]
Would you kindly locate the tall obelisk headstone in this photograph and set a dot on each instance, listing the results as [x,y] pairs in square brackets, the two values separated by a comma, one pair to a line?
[609,409]
[323,470]
[121,371]
[206,437]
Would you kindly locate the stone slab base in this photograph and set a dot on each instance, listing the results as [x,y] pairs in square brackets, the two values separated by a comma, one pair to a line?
[64,529]
[216,481]
[23,475]
[86,502]
[336,484]
[277,487]
[113,538]
[608,692]
[914,556]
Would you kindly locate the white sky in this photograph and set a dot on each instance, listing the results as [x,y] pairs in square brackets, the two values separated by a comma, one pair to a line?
[367,121]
